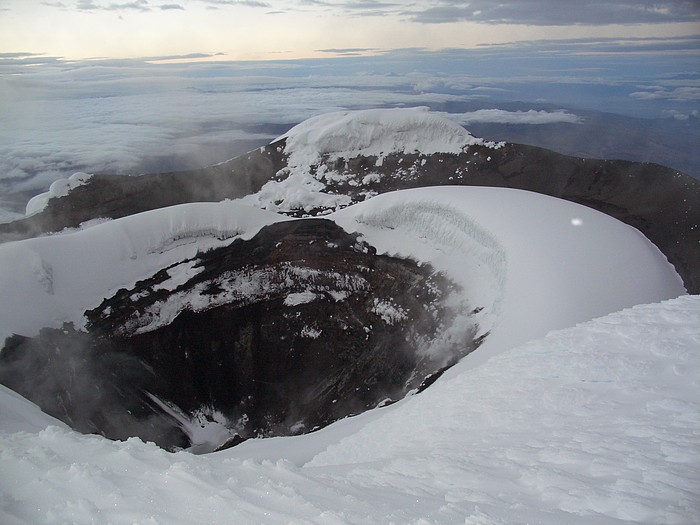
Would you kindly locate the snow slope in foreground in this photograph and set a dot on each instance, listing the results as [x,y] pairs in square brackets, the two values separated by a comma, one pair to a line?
[596,424]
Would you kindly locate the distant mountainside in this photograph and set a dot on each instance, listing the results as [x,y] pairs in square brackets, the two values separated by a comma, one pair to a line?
[668,141]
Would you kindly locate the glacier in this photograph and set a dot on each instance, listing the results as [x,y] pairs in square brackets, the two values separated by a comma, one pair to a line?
[480,237]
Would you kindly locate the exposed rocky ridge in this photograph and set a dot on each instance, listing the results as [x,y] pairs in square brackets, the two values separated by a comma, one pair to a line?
[299,326]
[114,196]
[662,203]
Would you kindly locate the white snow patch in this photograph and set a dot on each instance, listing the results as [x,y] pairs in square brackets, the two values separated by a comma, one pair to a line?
[371,178]
[59,188]
[389,312]
[206,428]
[339,295]
[310,332]
[179,275]
[295,299]
[301,190]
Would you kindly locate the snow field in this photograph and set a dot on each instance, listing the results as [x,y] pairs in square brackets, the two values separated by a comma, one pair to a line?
[595,424]
[598,421]
[375,132]
[321,140]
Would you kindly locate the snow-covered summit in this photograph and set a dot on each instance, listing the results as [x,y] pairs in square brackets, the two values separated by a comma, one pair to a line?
[322,154]
[375,132]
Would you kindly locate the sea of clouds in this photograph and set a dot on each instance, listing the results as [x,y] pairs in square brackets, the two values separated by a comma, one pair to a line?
[135,116]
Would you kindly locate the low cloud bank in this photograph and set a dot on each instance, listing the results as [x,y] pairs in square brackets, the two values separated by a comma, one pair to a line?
[135,116]
[499,116]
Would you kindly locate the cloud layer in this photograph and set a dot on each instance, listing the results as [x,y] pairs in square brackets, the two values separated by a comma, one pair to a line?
[530,117]
[561,12]
[527,12]
[130,116]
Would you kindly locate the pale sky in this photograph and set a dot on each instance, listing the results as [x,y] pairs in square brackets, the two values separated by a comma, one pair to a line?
[284,29]
[134,86]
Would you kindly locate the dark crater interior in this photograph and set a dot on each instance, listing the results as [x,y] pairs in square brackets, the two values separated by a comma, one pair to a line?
[302,325]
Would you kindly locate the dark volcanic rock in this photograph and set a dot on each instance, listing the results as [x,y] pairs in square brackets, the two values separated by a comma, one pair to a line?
[284,333]
[95,387]
[661,203]
[114,196]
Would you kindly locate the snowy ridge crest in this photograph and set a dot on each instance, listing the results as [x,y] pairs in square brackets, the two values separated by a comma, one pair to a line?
[318,147]
[375,132]
[48,284]
[453,235]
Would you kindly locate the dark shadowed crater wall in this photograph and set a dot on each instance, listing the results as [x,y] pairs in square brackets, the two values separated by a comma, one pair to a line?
[300,326]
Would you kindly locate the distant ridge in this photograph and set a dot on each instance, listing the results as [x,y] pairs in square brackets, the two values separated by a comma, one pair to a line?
[662,203]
